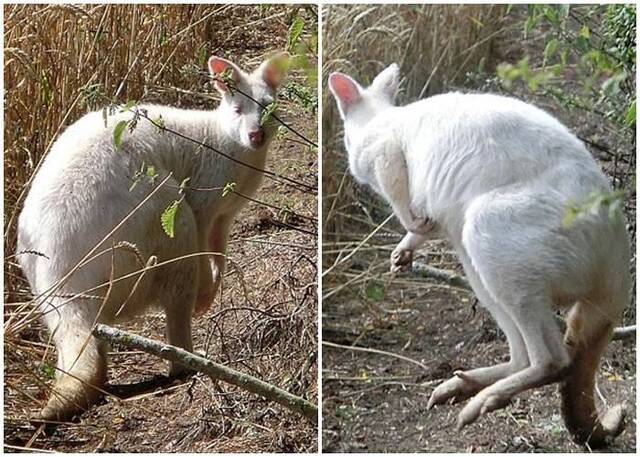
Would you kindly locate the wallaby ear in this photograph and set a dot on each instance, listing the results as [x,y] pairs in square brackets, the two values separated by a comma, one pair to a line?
[386,83]
[345,90]
[218,66]
[274,69]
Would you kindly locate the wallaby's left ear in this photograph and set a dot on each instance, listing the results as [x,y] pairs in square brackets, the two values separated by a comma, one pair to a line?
[387,81]
[274,69]
[217,66]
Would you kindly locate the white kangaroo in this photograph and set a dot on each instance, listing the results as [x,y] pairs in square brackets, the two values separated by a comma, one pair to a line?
[84,189]
[496,176]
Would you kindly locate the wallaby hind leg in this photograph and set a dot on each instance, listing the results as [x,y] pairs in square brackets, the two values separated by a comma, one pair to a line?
[548,357]
[82,368]
[179,306]
[588,332]
[465,384]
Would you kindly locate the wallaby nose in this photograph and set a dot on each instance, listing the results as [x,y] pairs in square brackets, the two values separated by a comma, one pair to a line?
[256,137]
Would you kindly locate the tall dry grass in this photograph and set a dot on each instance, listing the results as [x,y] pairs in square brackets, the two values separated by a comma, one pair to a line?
[435,45]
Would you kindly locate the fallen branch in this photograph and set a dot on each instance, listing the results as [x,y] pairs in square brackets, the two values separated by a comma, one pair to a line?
[212,369]
[423,270]
[375,351]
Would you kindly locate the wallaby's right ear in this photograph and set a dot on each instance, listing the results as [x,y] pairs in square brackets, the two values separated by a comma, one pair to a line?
[219,66]
[346,91]
[387,81]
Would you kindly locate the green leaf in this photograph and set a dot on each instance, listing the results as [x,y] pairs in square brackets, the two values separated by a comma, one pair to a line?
[585,32]
[130,104]
[297,26]
[375,291]
[229,188]
[159,122]
[151,173]
[630,117]
[48,371]
[268,112]
[550,50]
[117,134]
[227,78]
[168,218]
[551,14]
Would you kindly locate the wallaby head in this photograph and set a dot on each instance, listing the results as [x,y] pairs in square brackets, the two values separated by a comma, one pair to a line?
[243,117]
[358,105]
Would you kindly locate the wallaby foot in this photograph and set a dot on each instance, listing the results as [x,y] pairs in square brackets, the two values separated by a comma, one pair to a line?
[70,397]
[499,394]
[465,384]
[402,255]
[178,330]
[82,362]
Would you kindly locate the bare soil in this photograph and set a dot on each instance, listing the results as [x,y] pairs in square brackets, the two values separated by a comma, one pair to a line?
[377,403]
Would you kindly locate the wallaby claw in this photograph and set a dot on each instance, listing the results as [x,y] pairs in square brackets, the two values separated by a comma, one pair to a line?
[401,260]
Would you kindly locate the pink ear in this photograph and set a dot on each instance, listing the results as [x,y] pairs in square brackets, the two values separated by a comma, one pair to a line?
[345,90]
[218,65]
[274,69]
[272,77]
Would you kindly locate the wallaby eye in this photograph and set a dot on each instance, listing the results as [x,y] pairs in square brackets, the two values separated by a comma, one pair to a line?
[237,109]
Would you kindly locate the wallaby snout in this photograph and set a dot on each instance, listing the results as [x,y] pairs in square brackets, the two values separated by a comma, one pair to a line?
[257,137]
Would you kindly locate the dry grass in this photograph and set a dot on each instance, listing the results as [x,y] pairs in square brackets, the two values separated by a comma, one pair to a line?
[62,61]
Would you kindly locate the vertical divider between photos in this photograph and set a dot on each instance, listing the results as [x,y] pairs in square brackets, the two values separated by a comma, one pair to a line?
[320,218]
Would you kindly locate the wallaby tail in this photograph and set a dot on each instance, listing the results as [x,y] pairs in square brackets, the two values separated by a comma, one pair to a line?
[588,333]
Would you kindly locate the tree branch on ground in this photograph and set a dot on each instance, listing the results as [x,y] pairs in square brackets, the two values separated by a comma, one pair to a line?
[214,370]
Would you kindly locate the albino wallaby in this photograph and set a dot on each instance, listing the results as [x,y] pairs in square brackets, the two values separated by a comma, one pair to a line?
[85,188]
[496,176]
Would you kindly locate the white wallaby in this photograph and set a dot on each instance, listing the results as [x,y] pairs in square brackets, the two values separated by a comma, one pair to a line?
[85,188]
[496,175]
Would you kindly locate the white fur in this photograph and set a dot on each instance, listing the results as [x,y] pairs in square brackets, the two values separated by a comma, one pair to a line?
[83,190]
[496,176]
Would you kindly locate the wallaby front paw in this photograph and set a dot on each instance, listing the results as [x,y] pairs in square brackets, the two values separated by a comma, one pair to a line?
[401,260]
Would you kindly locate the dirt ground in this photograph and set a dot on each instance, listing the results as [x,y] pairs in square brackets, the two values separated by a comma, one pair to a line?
[265,324]
[377,403]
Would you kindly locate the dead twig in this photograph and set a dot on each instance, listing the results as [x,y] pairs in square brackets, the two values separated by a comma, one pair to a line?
[376,351]
[212,369]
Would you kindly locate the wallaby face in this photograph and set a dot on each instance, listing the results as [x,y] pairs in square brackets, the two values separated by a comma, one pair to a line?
[87,186]
[497,176]
[243,116]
